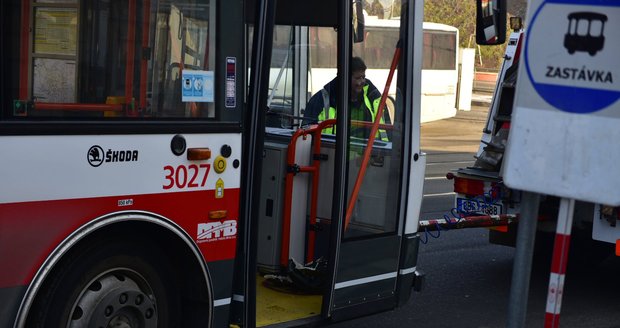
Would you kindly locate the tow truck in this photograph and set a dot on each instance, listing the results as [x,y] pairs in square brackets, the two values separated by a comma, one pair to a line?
[482,196]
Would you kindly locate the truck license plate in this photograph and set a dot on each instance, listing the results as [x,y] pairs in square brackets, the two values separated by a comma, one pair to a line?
[473,206]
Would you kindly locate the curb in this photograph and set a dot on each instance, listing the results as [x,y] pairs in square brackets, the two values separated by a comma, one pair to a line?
[481,103]
[483,99]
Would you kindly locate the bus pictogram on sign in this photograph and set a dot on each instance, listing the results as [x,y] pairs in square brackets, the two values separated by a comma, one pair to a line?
[585,32]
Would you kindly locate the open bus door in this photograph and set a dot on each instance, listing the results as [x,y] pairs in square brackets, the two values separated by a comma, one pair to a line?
[368,261]
[375,261]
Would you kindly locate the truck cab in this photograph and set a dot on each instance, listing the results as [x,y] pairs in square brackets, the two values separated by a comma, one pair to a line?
[480,189]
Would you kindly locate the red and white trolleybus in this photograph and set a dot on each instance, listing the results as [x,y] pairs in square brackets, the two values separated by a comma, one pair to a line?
[147,178]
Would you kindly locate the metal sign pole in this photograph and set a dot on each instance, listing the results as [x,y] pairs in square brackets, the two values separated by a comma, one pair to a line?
[559,262]
[526,233]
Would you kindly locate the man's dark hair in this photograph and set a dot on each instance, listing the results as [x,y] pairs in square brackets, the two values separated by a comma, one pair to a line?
[357,64]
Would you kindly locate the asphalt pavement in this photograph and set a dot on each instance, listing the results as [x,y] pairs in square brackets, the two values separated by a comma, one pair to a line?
[460,133]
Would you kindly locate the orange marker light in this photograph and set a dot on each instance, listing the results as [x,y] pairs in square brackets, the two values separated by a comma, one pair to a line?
[197,154]
[219,214]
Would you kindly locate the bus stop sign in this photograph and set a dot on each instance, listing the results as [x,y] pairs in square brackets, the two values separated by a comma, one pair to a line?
[565,132]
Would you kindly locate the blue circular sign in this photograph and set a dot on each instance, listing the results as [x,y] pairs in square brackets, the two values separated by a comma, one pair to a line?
[587,86]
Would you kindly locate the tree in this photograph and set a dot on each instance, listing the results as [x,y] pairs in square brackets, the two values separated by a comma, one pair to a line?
[462,15]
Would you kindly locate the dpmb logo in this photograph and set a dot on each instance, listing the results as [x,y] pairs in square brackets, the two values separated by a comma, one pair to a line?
[216,231]
[571,54]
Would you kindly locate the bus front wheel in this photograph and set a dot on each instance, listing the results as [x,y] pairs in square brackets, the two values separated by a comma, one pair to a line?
[122,285]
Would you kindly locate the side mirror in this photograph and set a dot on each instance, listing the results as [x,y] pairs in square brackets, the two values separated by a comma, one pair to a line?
[358,21]
[490,22]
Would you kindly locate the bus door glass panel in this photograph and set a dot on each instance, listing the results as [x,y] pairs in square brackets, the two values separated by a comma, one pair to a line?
[323,52]
[370,249]
[280,101]
[110,59]
[374,212]
[323,48]
[377,51]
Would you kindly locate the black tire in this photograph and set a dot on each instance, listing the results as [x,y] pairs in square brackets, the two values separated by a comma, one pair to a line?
[118,284]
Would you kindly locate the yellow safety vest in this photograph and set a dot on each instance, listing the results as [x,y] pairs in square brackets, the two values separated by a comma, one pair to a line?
[329,112]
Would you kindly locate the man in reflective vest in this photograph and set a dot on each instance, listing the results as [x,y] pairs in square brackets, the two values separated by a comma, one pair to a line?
[365,99]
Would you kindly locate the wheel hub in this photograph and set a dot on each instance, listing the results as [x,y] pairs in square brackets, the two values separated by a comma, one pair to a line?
[115,300]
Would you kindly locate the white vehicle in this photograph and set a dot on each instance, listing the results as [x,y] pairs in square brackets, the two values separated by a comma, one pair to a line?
[480,189]
[439,64]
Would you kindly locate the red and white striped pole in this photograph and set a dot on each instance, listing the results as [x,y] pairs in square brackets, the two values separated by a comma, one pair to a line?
[559,262]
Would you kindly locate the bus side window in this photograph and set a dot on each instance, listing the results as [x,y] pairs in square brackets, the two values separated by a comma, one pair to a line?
[104,59]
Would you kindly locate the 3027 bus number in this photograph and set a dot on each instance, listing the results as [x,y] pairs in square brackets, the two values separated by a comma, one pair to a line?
[186,176]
